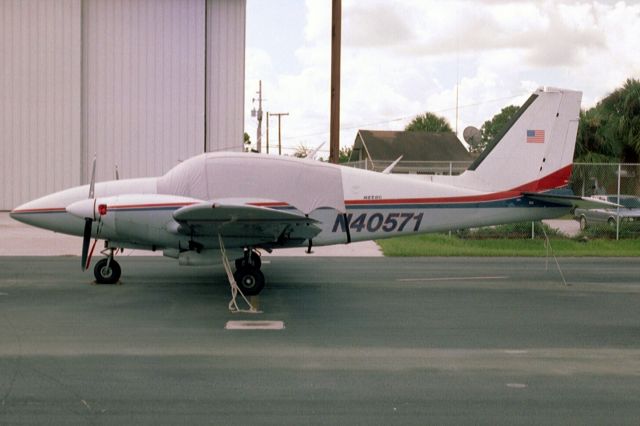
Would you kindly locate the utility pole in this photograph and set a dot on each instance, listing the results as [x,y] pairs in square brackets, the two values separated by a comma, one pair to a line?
[334,126]
[267,132]
[279,114]
[258,114]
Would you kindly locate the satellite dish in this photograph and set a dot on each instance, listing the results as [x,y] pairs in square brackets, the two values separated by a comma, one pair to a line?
[472,136]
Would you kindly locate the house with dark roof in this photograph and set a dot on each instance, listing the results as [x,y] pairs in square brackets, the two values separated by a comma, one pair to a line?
[422,152]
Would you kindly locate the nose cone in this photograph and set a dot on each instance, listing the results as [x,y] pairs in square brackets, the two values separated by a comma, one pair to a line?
[49,212]
[37,212]
[84,209]
[13,214]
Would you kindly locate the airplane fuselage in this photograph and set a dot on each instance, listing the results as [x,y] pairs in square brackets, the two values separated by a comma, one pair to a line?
[243,202]
[376,206]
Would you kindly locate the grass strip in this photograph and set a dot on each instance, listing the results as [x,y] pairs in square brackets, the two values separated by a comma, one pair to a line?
[444,245]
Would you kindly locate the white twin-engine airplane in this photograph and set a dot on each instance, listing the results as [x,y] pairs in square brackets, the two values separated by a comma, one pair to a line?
[220,203]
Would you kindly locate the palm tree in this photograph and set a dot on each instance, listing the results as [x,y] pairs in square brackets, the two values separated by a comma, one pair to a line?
[429,122]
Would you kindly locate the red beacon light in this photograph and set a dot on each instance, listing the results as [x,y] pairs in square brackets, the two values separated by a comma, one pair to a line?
[102,209]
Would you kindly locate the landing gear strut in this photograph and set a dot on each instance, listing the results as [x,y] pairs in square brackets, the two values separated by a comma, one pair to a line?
[248,276]
[243,280]
[251,257]
[107,271]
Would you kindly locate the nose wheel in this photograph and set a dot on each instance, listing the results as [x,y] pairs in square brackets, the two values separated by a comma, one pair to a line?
[107,271]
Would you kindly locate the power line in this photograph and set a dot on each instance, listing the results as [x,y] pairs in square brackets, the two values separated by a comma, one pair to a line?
[357,126]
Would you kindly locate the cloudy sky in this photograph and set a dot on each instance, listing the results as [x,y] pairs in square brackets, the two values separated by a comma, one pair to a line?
[401,58]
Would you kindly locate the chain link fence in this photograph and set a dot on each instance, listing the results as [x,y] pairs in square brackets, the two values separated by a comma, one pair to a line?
[612,182]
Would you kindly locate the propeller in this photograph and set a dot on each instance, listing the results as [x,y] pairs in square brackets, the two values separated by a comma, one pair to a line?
[88,222]
[86,240]
[86,209]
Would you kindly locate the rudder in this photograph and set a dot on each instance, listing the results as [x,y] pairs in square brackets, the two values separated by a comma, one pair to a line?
[535,151]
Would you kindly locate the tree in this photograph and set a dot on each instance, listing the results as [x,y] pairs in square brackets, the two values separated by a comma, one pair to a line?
[610,131]
[592,143]
[429,122]
[345,154]
[302,151]
[622,111]
[247,139]
[492,128]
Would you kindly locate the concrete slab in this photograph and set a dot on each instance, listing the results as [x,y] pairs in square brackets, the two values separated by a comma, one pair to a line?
[366,342]
[568,227]
[18,239]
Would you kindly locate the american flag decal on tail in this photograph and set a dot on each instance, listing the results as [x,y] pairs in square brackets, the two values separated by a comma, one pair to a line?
[535,136]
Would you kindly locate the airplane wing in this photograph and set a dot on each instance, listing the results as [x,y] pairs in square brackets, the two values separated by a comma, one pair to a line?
[571,200]
[254,223]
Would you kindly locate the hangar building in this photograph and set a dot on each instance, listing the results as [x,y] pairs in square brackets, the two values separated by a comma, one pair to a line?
[141,84]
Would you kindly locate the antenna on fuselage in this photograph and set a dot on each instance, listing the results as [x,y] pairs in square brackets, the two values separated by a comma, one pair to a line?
[312,154]
[391,166]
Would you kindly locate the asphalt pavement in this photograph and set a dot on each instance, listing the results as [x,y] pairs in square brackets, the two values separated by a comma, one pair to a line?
[365,341]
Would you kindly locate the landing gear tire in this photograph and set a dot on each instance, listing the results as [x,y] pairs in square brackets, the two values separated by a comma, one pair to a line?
[249,279]
[107,274]
[583,223]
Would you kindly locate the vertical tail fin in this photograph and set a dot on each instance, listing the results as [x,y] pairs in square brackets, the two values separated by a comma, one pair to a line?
[535,151]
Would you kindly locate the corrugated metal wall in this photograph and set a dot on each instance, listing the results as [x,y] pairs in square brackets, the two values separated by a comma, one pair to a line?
[125,80]
[143,84]
[39,98]
[225,74]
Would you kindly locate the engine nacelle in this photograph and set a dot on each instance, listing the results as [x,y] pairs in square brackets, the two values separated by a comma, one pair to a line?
[136,218]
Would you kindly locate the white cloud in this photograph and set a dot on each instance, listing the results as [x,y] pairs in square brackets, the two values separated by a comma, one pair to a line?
[400,58]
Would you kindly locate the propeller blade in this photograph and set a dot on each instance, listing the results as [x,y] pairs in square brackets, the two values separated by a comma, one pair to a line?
[92,184]
[86,239]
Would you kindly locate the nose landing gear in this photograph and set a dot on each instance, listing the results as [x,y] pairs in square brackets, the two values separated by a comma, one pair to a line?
[107,271]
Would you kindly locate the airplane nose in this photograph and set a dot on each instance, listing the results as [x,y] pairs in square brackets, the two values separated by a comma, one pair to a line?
[37,212]
[14,215]
[23,213]
[50,211]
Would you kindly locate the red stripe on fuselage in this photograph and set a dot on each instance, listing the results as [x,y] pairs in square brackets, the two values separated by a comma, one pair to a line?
[43,210]
[148,206]
[557,179]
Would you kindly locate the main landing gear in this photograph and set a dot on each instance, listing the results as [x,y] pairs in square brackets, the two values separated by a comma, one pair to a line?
[107,271]
[246,280]
[248,276]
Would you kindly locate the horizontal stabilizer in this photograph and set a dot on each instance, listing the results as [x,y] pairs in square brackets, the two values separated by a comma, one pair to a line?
[572,201]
